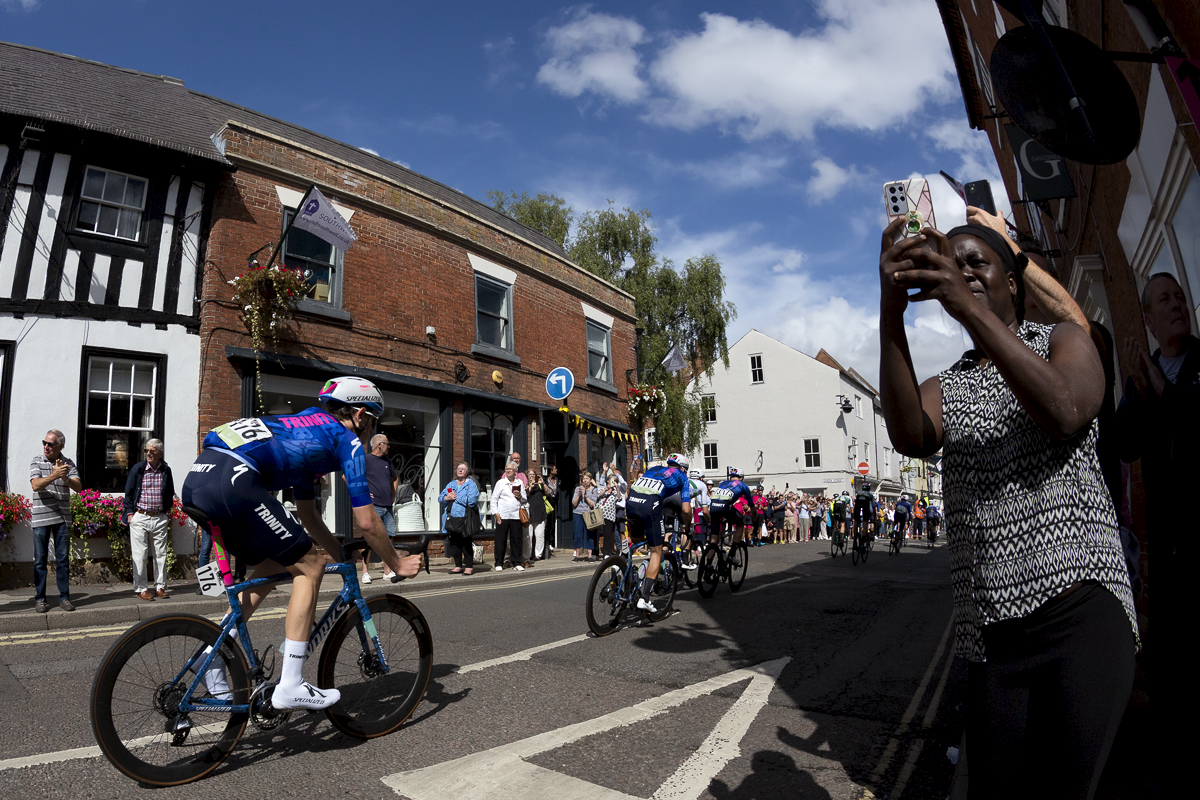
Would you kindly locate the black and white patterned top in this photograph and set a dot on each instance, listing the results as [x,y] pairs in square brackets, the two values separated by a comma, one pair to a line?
[1026,515]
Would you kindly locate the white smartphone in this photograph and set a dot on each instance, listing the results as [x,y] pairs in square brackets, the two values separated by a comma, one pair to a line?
[911,201]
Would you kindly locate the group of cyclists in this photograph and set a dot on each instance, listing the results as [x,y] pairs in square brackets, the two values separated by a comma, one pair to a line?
[245,461]
[863,518]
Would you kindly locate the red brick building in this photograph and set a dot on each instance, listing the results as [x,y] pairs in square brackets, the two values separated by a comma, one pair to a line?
[457,312]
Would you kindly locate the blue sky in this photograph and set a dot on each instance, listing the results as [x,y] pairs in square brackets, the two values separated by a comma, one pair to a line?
[758,131]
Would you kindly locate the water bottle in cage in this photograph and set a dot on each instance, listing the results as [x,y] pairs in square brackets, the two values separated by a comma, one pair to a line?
[642,570]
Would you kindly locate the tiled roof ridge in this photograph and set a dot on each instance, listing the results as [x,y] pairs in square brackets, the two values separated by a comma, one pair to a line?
[68,56]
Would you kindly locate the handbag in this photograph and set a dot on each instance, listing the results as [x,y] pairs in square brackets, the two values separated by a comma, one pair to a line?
[593,518]
[549,507]
[455,525]
[524,514]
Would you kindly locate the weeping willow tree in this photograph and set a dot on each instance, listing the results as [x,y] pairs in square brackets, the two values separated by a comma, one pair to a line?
[674,306]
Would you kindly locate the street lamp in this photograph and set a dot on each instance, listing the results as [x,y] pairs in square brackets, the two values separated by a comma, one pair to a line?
[844,403]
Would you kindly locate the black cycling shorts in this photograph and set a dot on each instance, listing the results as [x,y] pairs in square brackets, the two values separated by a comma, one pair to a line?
[901,520]
[254,525]
[862,513]
[644,515]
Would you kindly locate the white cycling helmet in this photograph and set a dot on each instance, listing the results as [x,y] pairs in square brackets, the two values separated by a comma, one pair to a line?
[350,391]
[678,460]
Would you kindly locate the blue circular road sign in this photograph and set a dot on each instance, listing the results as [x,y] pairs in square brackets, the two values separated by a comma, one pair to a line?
[559,383]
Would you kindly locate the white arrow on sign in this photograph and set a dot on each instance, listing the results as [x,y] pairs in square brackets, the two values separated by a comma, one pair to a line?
[504,772]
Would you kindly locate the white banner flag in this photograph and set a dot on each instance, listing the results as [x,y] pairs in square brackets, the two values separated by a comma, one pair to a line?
[674,361]
[318,217]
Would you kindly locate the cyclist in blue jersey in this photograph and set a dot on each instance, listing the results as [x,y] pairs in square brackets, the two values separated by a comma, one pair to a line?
[673,510]
[644,513]
[723,500]
[232,481]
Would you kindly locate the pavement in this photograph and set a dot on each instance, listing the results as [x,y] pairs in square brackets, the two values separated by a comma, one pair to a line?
[110,604]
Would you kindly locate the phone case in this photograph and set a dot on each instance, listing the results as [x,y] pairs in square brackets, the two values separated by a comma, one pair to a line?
[911,200]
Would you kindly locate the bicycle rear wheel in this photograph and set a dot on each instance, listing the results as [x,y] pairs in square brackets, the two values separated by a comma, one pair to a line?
[136,693]
[854,553]
[833,548]
[665,587]
[375,702]
[709,571]
[605,597]
[688,556]
[739,562]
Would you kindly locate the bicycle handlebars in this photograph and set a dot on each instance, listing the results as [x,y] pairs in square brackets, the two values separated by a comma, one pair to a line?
[419,547]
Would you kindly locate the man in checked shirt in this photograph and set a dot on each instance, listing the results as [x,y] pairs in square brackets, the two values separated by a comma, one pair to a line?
[149,495]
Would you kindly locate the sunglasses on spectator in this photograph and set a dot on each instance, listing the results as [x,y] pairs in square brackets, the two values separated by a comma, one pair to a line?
[50,444]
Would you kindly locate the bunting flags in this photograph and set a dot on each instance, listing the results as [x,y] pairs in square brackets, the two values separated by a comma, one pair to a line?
[588,425]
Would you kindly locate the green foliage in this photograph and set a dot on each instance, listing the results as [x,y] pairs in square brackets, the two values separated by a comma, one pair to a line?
[674,307]
[546,212]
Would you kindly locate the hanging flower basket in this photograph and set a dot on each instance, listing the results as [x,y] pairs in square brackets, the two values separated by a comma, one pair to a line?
[646,401]
[14,508]
[267,298]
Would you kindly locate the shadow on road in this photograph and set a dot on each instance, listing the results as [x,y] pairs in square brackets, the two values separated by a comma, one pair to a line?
[773,774]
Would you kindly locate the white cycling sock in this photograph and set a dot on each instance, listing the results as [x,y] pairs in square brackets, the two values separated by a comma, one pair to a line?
[292,691]
[216,679]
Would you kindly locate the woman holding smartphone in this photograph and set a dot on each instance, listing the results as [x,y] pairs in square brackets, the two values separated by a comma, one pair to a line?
[1042,605]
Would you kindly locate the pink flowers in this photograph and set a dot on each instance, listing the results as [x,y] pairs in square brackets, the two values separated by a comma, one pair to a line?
[14,508]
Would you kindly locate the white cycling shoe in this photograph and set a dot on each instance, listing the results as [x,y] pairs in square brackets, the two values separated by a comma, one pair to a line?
[645,605]
[304,696]
[690,567]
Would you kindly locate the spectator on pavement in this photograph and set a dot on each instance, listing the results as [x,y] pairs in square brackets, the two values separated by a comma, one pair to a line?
[508,495]
[515,459]
[608,506]
[1157,422]
[382,481]
[149,496]
[535,531]
[52,476]
[460,498]
[1050,633]
[551,484]
[583,500]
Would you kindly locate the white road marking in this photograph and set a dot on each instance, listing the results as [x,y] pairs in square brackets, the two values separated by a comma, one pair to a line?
[94,751]
[914,752]
[889,752]
[504,772]
[769,585]
[524,655]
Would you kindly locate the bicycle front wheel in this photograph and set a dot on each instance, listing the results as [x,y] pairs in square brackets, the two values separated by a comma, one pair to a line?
[136,694]
[375,702]
[710,571]
[739,562]
[605,597]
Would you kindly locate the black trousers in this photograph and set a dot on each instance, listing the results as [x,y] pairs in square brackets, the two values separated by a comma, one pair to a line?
[508,532]
[608,546]
[461,549]
[1043,710]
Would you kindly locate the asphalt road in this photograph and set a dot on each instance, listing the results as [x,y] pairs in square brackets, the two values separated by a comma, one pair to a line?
[819,679]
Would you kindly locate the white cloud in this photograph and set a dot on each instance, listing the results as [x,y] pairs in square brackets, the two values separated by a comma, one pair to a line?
[803,302]
[737,171]
[369,150]
[871,64]
[595,52]
[24,5]
[830,179]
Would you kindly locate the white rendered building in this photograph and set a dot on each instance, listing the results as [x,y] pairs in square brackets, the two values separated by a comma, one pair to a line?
[787,419]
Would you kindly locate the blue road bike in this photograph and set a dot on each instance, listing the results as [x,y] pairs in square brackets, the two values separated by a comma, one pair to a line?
[617,584]
[156,721]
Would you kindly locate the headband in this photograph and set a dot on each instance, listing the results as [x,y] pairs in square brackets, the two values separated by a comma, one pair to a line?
[993,240]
